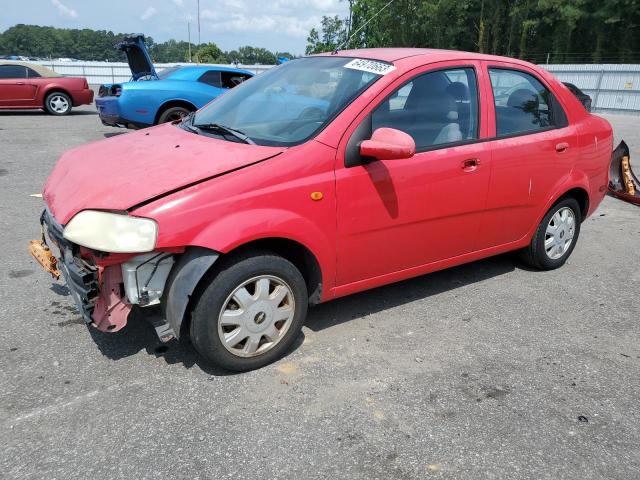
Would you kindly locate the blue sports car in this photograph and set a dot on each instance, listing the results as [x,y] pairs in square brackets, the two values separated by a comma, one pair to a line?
[156,97]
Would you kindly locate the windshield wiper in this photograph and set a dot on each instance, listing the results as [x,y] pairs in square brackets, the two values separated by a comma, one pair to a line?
[216,127]
[187,122]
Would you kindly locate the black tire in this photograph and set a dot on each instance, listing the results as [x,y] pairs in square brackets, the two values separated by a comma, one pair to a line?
[172,114]
[58,103]
[231,274]
[535,254]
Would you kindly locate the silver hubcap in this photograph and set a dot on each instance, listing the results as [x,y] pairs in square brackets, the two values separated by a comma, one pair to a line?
[559,233]
[256,316]
[58,104]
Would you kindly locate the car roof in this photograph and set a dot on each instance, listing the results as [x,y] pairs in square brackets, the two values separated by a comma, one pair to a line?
[423,54]
[42,71]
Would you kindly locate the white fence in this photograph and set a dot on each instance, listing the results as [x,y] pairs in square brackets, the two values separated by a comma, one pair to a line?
[613,88]
[98,73]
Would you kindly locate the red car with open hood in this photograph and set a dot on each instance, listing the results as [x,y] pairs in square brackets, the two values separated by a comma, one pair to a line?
[322,177]
[30,86]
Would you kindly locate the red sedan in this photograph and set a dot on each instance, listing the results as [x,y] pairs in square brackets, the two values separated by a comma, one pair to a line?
[26,85]
[322,177]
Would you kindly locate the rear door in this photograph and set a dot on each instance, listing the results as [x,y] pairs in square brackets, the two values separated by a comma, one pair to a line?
[15,89]
[533,151]
[395,215]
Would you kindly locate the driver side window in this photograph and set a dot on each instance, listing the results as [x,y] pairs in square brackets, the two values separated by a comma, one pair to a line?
[436,108]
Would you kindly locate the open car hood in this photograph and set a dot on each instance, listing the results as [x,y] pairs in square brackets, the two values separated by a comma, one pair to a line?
[138,56]
[124,171]
[623,183]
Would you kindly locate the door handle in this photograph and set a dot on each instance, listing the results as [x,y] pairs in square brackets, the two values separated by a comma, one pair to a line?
[561,147]
[19,83]
[470,164]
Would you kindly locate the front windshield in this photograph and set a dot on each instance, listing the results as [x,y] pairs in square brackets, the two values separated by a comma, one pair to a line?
[290,103]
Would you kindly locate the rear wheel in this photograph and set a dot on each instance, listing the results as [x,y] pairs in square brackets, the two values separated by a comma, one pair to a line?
[250,313]
[555,237]
[58,103]
[172,114]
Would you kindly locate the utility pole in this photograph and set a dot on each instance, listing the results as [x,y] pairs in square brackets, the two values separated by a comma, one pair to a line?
[349,24]
[189,34]
[198,22]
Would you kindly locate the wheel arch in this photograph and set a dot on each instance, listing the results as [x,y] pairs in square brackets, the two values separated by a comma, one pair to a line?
[198,265]
[173,103]
[579,194]
[297,253]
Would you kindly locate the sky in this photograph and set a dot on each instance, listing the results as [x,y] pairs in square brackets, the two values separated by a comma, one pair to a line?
[278,25]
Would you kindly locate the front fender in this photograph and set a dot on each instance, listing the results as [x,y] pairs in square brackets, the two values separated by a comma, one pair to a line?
[237,229]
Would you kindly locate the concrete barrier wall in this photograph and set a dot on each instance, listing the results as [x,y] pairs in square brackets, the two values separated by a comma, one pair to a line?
[613,88]
[98,73]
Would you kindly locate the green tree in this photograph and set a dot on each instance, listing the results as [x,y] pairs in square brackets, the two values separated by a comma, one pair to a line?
[333,33]
[210,53]
[566,30]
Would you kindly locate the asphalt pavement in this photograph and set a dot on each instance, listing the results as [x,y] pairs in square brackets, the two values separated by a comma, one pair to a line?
[485,371]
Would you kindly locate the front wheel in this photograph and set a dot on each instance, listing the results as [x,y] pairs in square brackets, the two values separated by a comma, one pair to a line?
[250,313]
[555,237]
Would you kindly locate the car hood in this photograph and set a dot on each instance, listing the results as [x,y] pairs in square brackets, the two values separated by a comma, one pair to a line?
[137,56]
[121,172]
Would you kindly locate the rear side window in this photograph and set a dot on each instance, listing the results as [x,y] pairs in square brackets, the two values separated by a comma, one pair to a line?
[231,79]
[522,103]
[31,73]
[13,71]
[211,77]
[436,108]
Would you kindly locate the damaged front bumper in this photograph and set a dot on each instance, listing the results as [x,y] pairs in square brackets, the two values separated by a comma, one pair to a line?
[105,287]
[623,183]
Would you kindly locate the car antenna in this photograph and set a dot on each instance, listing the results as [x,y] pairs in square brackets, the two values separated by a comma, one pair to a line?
[346,42]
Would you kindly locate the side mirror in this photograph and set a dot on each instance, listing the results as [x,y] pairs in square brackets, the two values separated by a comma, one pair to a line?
[388,144]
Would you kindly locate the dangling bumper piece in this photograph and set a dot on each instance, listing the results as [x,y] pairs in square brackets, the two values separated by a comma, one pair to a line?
[623,183]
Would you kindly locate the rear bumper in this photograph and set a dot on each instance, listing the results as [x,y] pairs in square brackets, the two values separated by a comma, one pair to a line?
[82,97]
[110,115]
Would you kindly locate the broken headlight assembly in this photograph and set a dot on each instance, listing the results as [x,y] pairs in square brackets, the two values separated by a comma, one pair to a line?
[112,232]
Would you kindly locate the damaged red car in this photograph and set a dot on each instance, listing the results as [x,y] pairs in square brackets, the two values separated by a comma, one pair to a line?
[325,176]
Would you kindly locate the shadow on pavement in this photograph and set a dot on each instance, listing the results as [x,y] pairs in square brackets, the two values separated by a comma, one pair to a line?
[139,334]
[113,134]
[372,301]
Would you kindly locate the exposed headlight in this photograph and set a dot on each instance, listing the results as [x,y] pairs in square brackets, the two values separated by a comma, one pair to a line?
[112,232]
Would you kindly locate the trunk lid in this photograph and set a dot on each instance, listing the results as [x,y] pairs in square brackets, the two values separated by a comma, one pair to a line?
[123,171]
[137,56]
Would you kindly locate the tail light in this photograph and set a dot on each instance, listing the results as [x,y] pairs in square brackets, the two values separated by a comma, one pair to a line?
[116,90]
[102,91]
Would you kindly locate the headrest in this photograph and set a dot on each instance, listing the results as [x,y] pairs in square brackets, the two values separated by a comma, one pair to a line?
[441,108]
[458,90]
[524,99]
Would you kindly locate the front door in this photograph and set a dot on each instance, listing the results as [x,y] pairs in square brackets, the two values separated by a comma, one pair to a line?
[15,89]
[393,215]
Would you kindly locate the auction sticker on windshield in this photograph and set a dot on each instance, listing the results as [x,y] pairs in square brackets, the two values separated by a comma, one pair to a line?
[371,66]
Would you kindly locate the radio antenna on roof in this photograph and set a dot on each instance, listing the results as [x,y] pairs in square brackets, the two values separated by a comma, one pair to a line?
[346,42]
